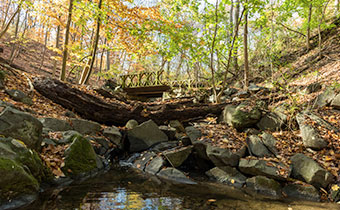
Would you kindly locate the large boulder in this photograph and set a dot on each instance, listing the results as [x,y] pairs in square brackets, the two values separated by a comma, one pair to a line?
[177,156]
[224,157]
[306,169]
[55,124]
[22,126]
[227,175]
[169,131]
[336,102]
[85,126]
[326,97]
[241,116]
[20,96]
[144,136]
[266,168]
[21,171]
[80,158]
[310,136]
[264,185]
[302,192]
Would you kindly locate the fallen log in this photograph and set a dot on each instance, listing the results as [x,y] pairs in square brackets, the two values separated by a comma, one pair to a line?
[118,113]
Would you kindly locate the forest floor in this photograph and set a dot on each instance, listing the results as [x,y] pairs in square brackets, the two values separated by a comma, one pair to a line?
[306,69]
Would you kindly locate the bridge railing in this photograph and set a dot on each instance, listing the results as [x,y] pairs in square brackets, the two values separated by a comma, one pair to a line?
[155,78]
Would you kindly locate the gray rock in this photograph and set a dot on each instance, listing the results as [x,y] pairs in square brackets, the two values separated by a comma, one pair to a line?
[325,98]
[229,91]
[264,168]
[55,124]
[193,133]
[48,141]
[114,135]
[306,169]
[131,124]
[178,125]
[271,122]
[85,127]
[169,131]
[310,136]
[200,149]
[242,116]
[242,94]
[80,158]
[22,126]
[185,140]
[264,185]
[175,175]
[68,137]
[178,155]
[302,192]
[144,136]
[20,96]
[68,113]
[254,88]
[164,146]
[143,160]
[270,142]
[155,165]
[336,102]
[256,147]
[223,157]
[227,175]
[314,87]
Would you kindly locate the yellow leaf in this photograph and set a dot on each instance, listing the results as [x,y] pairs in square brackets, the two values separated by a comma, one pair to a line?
[335,187]
[232,181]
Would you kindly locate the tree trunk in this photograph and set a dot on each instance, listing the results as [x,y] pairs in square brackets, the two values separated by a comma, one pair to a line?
[44,52]
[231,21]
[212,53]
[56,46]
[11,57]
[236,25]
[308,26]
[118,113]
[245,43]
[88,70]
[67,34]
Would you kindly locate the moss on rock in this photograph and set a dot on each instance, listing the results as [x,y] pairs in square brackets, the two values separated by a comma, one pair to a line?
[15,181]
[80,157]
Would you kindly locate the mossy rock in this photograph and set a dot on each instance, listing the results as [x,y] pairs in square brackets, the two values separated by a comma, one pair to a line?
[29,159]
[242,116]
[80,157]
[15,181]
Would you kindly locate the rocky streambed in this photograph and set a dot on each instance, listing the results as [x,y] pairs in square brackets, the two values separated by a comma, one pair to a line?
[38,154]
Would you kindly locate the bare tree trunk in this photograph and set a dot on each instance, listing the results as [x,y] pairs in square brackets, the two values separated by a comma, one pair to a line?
[308,25]
[245,43]
[45,47]
[108,67]
[56,46]
[67,34]
[101,60]
[237,14]
[212,53]
[231,21]
[11,57]
[88,70]
[178,70]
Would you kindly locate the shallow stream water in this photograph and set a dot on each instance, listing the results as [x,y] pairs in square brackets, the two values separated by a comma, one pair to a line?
[126,189]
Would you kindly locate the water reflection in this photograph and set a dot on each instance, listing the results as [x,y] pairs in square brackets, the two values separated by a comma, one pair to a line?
[123,190]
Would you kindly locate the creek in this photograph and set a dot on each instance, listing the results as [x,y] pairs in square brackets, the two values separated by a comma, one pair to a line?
[129,190]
